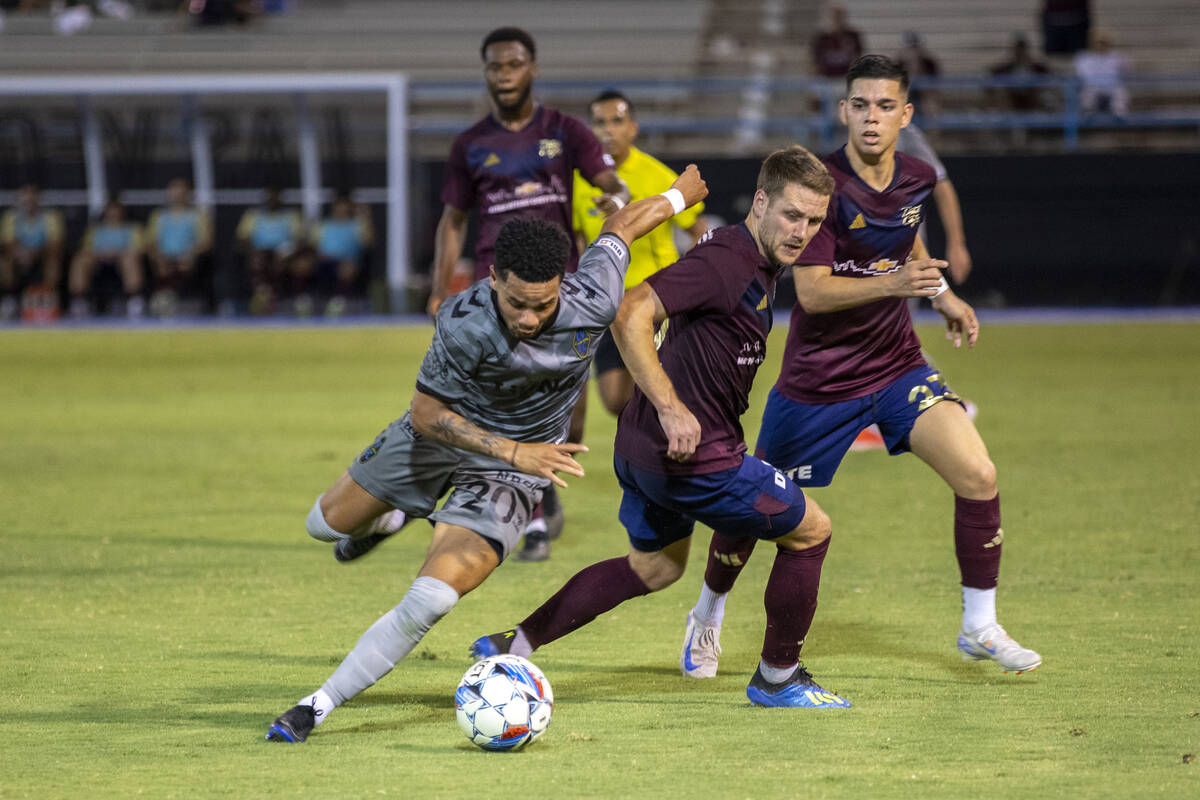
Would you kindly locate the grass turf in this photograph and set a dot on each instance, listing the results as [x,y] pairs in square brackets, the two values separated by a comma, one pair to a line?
[162,603]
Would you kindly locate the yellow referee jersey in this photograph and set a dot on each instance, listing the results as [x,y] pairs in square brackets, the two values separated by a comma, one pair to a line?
[645,176]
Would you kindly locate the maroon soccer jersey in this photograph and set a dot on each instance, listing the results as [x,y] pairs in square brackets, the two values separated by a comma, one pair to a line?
[843,355]
[718,300]
[527,173]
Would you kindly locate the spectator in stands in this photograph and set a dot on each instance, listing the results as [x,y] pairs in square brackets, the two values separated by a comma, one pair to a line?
[920,63]
[1103,71]
[112,247]
[268,236]
[836,45]
[31,248]
[177,235]
[339,242]
[1065,25]
[1021,63]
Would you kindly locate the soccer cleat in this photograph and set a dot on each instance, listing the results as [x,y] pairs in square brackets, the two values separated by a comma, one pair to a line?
[992,642]
[495,644]
[552,512]
[798,691]
[536,547]
[701,648]
[294,725]
[349,549]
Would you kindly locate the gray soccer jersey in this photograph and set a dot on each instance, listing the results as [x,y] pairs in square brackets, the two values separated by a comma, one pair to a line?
[524,389]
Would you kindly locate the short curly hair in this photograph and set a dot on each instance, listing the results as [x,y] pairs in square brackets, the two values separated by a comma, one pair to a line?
[509,35]
[535,250]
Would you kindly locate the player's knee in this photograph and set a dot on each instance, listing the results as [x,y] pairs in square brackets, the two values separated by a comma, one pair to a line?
[815,528]
[978,480]
[317,526]
[656,570]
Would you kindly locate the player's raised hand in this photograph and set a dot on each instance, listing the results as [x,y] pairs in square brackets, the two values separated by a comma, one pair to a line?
[546,460]
[682,430]
[960,318]
[919,277]
[691,185]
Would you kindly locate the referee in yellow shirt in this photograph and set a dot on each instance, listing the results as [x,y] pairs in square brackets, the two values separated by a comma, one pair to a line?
[615,125]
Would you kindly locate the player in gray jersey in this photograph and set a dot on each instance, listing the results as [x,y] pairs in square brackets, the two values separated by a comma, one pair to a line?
[488,421]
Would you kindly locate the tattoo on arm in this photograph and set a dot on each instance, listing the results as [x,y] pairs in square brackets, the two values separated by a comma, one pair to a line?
[450,428]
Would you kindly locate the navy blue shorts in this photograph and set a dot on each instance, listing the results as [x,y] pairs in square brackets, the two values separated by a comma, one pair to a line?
[753,500]
[808,442]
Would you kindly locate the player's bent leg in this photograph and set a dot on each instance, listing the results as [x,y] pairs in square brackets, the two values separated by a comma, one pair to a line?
[459,557]
[353,519]
[945,438]
[790,601]
[379,649]
[589,593]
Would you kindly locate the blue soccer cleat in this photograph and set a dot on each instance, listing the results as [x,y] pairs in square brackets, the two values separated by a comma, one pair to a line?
[798,691]
[293,726]
[496,644]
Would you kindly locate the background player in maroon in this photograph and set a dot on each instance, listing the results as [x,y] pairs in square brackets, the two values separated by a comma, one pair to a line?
[853,359]
[680,454]
[518,162]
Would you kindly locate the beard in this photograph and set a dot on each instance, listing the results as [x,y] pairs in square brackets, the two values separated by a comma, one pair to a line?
[515,104]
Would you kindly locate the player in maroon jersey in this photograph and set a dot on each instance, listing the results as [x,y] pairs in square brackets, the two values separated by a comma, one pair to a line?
[853,359]
[518,161]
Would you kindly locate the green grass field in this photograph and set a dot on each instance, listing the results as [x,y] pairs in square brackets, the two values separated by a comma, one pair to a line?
[162,602]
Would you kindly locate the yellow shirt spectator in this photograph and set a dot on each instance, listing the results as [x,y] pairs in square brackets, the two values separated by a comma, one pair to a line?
[645,176]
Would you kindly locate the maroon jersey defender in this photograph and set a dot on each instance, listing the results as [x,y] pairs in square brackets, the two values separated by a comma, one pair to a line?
[505,174]
[841,355]
[718,298]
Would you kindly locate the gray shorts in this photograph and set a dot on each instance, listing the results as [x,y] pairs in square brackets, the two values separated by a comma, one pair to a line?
[410,472]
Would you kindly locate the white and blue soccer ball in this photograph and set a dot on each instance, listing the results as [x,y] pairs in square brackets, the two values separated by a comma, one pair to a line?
[503,703]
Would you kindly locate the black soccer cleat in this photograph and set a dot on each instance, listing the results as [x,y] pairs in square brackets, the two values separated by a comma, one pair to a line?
[552,512]
[345,550]
[496,644]
[294,725]
[536,547]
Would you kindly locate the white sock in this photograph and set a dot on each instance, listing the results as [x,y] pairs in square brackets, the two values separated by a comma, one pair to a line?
[318,528]
[389,522]
[979,608]
[775,674]
[710,608]
[520,645]
[321,702]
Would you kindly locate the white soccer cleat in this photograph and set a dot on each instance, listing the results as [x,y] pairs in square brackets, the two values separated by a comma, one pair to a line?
[701,649]
[992,642]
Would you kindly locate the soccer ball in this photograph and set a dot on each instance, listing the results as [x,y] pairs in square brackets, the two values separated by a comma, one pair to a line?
[503,703]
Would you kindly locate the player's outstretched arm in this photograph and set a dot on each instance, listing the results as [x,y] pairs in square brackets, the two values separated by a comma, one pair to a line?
[447,249]
[638,219]
[434,419]
[633,330]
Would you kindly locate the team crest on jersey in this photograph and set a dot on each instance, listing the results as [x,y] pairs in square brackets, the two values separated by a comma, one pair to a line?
[549,148]
[911,215]
[583,344]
